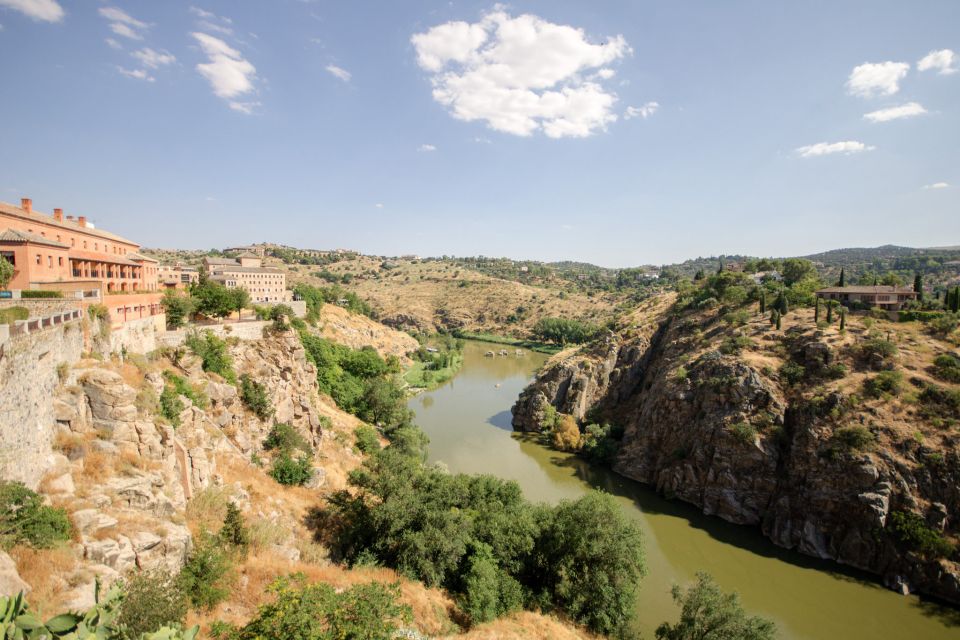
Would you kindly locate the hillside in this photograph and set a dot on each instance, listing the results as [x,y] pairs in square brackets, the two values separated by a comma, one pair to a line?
[429,295]
[839,444]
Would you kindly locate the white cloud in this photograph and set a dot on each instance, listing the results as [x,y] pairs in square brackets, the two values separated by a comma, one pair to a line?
[944,61]
[644,112]
[228,72]
[139,74]
[123,24]
[876,79]
[211,26]
[936,185]
[339,72]
[847,147]
[202,13]
[521,74]
[379,205]
[426,147]
[153,59]
[606,74]
[42,10]
[908,110]
[113,44]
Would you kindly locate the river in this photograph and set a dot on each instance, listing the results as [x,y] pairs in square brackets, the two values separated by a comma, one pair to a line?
[468,422]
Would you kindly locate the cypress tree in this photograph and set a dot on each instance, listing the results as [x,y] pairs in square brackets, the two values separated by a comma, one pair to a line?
[829,313]
[763,301]
[876,280]
[778,322]
[843,320]
[816,310]
[918,286]
[956,299]
[720,270]
[698,275]
[782,305]
[773,317]
[843,278]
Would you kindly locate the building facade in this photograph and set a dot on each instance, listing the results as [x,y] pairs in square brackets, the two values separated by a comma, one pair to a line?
[264,284]
[177,276]
[67,254]
[884,297]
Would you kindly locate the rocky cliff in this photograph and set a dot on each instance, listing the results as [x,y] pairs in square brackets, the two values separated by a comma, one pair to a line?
[773,429]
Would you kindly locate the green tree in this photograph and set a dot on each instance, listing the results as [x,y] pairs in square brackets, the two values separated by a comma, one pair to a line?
[151,600]
[178,307]
[763,302]
[213,299]
[25,519]
[918,285]
[843,320]
[778,320]
[796,269]
[239,300]
[843,278]
[205,578]
[6,272]
[254,397]
[707,613]
[234,532]
[829,312]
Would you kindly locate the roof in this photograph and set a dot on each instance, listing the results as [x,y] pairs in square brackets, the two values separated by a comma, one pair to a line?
[238,269]
[248,254]
[221,261]
[139,257]
[94,256]
[15,235]
[876,289]
[70,225]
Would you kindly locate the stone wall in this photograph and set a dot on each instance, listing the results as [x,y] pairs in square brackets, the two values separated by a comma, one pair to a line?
[28,377]
[138,336]
[241,330]
[41,306]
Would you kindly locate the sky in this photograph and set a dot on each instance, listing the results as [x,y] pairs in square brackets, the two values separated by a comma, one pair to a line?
[618,133]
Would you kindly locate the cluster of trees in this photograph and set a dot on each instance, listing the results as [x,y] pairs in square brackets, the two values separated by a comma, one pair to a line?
[316,297]
[564,331]
[477,537]
[207,298]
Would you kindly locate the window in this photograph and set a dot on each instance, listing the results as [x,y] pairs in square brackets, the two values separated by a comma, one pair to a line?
[60,261]
[49,261]
[84,244]
[38,258]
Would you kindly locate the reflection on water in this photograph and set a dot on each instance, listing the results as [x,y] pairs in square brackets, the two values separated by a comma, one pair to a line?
[468,422]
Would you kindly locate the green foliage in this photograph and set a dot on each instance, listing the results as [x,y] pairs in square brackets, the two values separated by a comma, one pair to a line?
[940,403]
[794,270]
[25,519]
[254,397]
[946,323]
[913,315]
[98,312]
[877,347]
[732,345]
[12,314]
[317,612]
[852,438]
[196,395]
[205,578]
[477,536]
[744,432]
[316,297]
[564,331]
[178,307]
[910,530]
[40,294]
[291,471]
[234,532]
[601,443]
[152,600]
[214,300]
[286,439]
[280,313]
[793,372]
[707,613]
[366,438]
[947,367]
[213,352]
[884,383]
[6,272]
[171,406]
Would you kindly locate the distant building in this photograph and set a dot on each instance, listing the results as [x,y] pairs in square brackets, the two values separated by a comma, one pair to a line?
[761,276]
[264,284]
[733,266]
[177,276]
[885,297]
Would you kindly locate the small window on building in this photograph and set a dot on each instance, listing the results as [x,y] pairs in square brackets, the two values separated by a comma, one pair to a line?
[49,261]
[84,244]
[60,261]
[39,258]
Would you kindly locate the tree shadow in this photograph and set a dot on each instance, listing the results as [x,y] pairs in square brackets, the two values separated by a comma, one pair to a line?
[502,420]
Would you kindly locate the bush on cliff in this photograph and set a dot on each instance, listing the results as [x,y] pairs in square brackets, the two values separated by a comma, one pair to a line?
[152,599]
[24,519]
[212,351]
[947,367]
[254,397]
[911,530]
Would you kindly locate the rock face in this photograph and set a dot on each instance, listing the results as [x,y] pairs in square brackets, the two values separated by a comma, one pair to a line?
[723,432]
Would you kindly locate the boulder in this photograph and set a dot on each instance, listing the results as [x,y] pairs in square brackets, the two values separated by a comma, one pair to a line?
[10,581]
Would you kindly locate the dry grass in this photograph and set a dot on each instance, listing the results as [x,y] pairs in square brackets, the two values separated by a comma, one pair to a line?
[525,625]
[97,467]
[47,572]
[72,445]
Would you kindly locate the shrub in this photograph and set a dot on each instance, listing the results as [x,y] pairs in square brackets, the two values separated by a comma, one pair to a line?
[280,313]
[601,443]
[234,532]
[212,351]
[39,293]
[793,372]
[177,308]
[737,318]
[884,383]
[98,312]
[947,368]
[855,438]
[566,435]
[152,599]
[205,576]
[744,432]
[196,395]
[937,402]
[945,324]
[290,471]
[564,331]
[12,314]
[286,439]
[912,531]
[317,611]
[171,406]
[735,344]
[254,397]
[707,612]
[24,519]
[877,348]
[366,438]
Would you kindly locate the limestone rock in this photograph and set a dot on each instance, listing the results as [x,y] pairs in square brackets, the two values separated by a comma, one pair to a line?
[10,581]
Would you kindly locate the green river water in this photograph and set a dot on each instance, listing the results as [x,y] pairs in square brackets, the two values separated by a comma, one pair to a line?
[468,422]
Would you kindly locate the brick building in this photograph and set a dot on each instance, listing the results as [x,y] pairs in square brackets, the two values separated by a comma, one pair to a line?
[264,284]
[884,297]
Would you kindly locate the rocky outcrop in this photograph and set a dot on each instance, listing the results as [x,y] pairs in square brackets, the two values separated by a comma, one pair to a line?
[357,331]
[722,431]
[10,581]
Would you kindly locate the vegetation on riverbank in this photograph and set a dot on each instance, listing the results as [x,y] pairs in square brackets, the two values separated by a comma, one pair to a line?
[540,347]
[438,359]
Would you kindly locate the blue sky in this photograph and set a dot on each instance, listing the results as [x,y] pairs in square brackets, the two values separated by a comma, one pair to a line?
[619,133]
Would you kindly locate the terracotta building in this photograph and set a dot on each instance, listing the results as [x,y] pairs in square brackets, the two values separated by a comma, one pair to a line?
[177,276]
[264,284]
[57,252]
[884,297]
